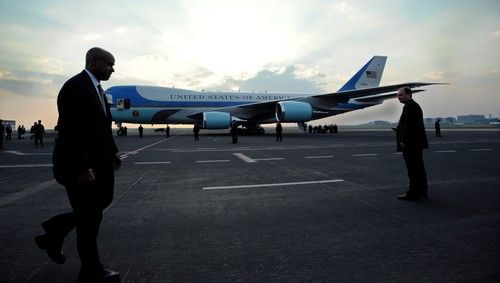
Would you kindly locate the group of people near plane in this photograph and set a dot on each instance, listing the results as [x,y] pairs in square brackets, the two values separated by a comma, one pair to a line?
[332,129]
[37,131]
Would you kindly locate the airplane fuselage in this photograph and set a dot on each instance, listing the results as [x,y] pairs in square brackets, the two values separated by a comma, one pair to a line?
[220,110]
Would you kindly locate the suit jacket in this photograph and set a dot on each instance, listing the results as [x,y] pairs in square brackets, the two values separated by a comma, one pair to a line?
[85,138]
[411,130]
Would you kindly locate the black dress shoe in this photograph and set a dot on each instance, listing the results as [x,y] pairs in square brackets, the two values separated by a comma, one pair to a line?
[100,275]
[407,197]
[52,247]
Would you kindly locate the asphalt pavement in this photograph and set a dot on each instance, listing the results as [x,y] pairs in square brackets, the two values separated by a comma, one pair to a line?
[318,207]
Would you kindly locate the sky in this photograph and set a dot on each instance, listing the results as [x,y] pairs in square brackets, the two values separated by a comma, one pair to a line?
[311,46]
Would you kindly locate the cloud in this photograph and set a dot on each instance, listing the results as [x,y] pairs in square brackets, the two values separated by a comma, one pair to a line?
[29,83]
[495,34]
[292,78]
[47,65]
[441,76]
[88,37]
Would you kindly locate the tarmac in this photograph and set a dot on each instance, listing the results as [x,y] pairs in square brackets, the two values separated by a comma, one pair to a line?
[312,208]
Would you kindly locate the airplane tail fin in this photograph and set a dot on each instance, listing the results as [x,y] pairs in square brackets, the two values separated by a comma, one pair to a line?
[368,76]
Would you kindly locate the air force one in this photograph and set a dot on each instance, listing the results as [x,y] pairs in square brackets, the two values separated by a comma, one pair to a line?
[219,110]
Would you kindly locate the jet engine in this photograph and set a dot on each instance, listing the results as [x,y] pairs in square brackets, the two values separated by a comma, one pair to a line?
[293,111]
[216,120]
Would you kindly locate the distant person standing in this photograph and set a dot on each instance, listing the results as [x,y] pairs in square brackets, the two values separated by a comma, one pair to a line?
[38,132]
[84,162]
[437,127]
[8,131]
[279,132]
[167,131]
[411,140]
[234,133]
[2,133]
[32,131]
[196,132]
[141,131]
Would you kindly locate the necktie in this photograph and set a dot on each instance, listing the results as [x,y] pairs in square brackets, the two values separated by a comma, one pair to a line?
[101,98]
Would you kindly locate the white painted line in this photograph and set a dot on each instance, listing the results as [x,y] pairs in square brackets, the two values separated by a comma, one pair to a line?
[482,149]
[139,149]
[272,185]
[212,161]
[445,151]
[319,156]
[28,153]
[27,165]
[152,162]
[26,192]
[244,157]
[306,146]
[269,159]
[365,154]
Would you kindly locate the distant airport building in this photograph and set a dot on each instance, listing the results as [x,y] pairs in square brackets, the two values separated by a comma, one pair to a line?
[380,123]
[450,120]
[472,119]
[12,123]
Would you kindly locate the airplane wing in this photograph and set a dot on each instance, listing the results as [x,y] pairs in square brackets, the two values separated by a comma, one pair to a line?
[260,111]
[374,94]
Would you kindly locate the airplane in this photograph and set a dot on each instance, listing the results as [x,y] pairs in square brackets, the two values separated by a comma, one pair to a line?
[219,110]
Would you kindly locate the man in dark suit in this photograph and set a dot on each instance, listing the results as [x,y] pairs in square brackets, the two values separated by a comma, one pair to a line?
[279,132]
[84,162]
[411,140]
[234,132]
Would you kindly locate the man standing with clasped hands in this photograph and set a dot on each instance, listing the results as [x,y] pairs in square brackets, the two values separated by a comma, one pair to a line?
[411,140]
[85,157]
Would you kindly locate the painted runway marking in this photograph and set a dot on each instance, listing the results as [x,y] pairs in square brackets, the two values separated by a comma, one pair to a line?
[269,159]
[365,154]
[445,151]
[273,185]
[482,149]
[26,192]
[29,153]
[27,165]
[139,149]
[152,162]
[212,161]
[319,156]
[244,157]
[126,191]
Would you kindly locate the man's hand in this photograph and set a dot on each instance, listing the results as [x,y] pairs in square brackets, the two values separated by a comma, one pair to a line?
[87,177]
[117,161]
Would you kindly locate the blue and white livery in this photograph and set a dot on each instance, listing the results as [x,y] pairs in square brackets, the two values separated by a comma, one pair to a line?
[218,110]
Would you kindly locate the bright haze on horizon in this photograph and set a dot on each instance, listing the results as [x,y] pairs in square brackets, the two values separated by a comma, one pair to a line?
[275,46]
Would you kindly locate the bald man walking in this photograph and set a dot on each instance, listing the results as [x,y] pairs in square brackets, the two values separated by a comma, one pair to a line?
[84,162]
